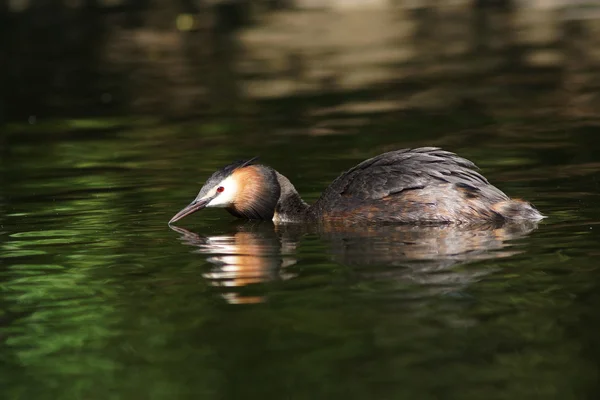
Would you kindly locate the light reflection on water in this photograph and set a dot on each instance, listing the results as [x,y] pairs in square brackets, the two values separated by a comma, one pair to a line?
[242,258]
[97,290]
[98,293]
[260,252]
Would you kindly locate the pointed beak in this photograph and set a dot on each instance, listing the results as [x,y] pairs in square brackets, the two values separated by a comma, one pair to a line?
[191,208]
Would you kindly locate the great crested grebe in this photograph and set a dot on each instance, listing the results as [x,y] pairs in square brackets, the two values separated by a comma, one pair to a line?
[419,186]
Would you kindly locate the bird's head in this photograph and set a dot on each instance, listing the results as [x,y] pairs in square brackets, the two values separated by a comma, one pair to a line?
[244,189]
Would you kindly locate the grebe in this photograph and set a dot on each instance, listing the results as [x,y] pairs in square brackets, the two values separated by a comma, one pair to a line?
[418,186]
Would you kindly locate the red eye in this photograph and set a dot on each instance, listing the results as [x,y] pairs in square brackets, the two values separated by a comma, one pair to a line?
[220,189]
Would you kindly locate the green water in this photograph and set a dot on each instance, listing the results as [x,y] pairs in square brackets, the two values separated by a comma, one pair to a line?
[100,299]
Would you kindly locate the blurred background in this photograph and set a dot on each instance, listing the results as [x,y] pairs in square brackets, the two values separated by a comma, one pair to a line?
[189,58]
[114,112]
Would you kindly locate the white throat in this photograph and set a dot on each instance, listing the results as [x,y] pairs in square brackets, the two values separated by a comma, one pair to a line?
[226,197]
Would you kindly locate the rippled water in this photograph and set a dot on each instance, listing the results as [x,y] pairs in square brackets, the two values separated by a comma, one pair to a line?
[100,299]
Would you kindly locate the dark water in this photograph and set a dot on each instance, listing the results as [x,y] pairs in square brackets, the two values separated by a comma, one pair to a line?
[100,299]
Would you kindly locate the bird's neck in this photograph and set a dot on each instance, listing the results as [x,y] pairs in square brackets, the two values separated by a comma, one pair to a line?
[290,207]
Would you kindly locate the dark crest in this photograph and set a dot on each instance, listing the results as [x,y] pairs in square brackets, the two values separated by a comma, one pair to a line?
[228,169]
[223,173]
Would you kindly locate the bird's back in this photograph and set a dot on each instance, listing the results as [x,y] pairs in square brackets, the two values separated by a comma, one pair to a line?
[423,185]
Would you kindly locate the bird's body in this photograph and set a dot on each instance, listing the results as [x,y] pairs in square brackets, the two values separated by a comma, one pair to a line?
[416,186]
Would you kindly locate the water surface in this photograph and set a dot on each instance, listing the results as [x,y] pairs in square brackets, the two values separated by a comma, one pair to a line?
[100,299]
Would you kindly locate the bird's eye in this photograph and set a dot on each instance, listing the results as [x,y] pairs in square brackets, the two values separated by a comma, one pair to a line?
[220,189]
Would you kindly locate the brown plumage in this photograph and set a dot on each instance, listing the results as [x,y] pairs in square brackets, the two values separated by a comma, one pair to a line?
[254,198]
[418,186]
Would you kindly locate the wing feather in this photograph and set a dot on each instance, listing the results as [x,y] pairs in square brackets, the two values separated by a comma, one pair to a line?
[408,169]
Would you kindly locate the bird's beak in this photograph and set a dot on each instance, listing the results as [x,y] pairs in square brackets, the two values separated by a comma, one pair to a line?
[191,208]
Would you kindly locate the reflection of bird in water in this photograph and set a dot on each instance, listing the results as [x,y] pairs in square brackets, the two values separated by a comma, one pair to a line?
[423,254]
[251,255]
[257,253]
[424,185]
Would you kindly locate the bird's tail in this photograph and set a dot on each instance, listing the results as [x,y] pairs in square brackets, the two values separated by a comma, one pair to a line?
[515,210]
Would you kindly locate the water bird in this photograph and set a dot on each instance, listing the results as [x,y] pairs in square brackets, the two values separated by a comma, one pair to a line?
[424,185]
